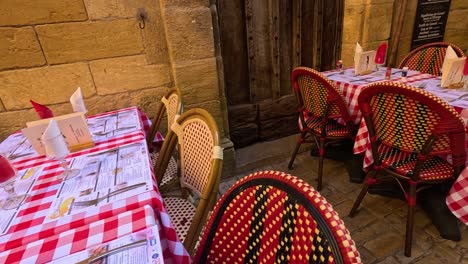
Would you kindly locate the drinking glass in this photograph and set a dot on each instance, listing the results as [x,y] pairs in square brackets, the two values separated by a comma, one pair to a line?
[56,148]
[8,175]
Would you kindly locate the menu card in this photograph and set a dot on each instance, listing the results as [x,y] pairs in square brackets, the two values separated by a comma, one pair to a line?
[73,127]
[364,62]
[104,177]
[23,184]
[452,74]
[141,247]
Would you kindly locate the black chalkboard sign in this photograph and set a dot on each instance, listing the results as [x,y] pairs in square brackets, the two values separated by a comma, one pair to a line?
[429,25]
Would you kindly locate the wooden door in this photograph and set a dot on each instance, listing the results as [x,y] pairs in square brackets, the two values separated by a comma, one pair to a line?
[262,41]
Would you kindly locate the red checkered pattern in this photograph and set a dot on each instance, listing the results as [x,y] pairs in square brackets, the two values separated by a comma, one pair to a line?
[29,224]
[78,239]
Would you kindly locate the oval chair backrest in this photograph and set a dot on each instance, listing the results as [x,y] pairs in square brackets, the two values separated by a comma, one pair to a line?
[199,149]
[405,117]
[428,58]
[273,217]
[315,94]
[173,108]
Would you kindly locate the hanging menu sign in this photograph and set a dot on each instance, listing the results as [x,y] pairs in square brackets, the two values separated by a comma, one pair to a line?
[429,25]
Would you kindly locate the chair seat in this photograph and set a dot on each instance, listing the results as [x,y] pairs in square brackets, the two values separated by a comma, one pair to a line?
[170,175]
[333,128]
[181,212]
[434,169]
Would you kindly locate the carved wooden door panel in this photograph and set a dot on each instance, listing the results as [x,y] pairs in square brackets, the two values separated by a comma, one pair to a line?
[261,43]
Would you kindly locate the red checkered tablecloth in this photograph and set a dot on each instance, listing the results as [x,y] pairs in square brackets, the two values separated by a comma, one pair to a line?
[29,226]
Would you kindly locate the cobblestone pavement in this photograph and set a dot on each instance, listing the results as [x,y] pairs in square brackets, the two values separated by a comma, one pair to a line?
[379,227]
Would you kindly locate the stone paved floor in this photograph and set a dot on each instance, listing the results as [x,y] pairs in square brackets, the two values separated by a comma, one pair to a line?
[379,227]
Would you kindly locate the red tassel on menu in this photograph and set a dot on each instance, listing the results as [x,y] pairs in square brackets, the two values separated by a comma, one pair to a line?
[381,53]
[42,110]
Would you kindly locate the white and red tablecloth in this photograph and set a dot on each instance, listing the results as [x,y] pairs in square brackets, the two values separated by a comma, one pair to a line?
[351,85]
[30,235]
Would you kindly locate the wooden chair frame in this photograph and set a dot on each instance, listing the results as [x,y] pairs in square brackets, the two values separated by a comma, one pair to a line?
[334,97]
[209,194]
[450,125]
[162,109]
[419,49]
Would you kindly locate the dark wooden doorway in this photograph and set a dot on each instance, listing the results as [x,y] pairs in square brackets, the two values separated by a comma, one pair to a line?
[261,42]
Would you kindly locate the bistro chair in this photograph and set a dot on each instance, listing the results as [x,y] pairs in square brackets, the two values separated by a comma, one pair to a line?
[274,217]
[428,58]
[321,107]
[171,105]
[410,129]
[200,155]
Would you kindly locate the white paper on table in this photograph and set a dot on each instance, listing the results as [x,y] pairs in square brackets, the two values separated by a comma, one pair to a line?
[148,252]
[77,102]
[449,54]
[358,50]
[53,141]
[365,62]
[453,72]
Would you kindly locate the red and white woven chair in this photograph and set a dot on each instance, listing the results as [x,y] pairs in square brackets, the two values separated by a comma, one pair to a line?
[410,130]
[321,104]
[274,217]
[428,58]
[200,155]
[171,105]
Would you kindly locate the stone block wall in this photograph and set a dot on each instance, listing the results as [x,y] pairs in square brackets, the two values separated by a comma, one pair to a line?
[48,48]
[370,22]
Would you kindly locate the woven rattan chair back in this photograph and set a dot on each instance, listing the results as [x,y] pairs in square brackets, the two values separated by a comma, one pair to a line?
[428,58]
[317,96]
[171,104]
[408,119]
[200,157]
[321,104]
[273,217]
[409,128]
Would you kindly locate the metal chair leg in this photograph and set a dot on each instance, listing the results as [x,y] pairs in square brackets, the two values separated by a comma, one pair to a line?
[320,167]
[298,145]
[365,187]
[410,219]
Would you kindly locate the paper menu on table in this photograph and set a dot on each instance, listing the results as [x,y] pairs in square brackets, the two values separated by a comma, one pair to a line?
[137,248]
[73,127]
[364,62]
[101,174]
[23,184]
[114,124]
[453,72]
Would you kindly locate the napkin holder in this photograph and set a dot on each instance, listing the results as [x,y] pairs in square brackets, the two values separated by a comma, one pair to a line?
[452,74]
[364,62]
[72,126]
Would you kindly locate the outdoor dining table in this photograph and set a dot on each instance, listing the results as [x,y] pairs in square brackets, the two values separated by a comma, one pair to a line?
[351,85]
[56,220]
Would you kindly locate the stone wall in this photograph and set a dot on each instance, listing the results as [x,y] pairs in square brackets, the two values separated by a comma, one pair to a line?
[370,22]
[48,48]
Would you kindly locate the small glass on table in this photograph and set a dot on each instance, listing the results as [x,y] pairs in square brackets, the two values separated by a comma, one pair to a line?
[57,149]
[8,177]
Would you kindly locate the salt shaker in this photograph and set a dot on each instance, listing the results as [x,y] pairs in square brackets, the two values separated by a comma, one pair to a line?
[404,73]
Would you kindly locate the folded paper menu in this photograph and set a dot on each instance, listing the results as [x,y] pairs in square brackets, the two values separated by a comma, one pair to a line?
[449,54]
[72,126]
[452,74]
[77,102]
[364,61]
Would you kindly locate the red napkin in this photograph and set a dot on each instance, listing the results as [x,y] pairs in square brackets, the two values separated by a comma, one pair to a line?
[381,52]
[465,69]
[42,110]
